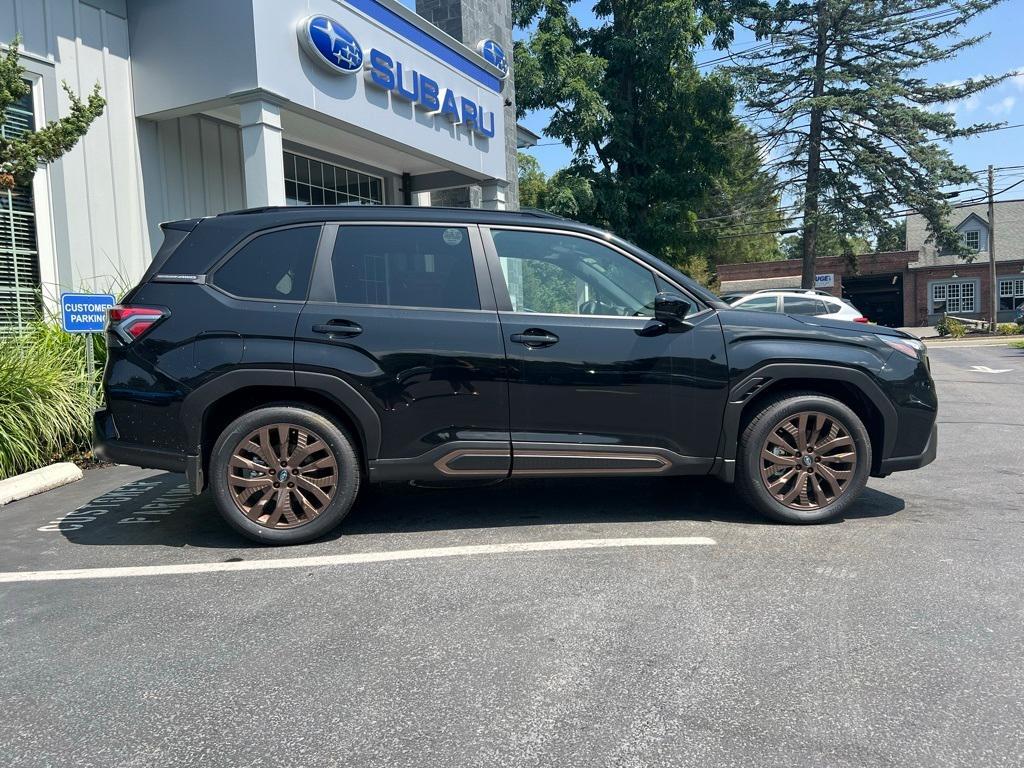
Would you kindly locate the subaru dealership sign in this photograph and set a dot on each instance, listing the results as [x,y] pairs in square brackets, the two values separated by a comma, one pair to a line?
[380,72]
[330,44]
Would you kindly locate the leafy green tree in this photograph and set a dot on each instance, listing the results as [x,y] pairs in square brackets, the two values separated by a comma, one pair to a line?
[842,105]
[533,184]
[649,132]
[21,155]
[892,236]
[567,193]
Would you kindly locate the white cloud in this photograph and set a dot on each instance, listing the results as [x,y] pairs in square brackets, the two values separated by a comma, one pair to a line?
[1004,106]
[1018,79]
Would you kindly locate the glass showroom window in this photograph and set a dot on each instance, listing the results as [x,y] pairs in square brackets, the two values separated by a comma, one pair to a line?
[312,182]
[972,239]
[1011,294]
[953,297]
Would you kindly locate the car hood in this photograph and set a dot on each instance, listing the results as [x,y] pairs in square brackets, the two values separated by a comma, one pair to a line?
[846,325]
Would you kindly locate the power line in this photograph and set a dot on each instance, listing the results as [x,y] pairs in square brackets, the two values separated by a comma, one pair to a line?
[895,215]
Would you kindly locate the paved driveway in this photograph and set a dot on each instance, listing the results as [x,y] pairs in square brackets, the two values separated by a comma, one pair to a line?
[894,637]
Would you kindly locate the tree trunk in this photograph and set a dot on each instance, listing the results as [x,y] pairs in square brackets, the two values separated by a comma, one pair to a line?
[812,187]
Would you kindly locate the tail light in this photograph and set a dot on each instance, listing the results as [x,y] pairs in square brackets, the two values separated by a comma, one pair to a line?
[131,323]
[861,320]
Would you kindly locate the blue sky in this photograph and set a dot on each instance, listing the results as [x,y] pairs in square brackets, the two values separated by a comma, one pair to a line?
[1003,51]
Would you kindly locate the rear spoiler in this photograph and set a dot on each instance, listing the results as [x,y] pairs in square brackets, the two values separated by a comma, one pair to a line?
[175,233]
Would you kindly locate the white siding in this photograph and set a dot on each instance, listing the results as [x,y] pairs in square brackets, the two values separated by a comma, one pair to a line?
[98,217]
[193,167]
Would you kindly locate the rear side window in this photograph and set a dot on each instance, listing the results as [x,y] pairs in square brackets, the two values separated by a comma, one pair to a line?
[803,306]
[762,304]
[274,265]
[400,266]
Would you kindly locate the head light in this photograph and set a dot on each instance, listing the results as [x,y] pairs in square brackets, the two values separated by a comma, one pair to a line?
[910,347]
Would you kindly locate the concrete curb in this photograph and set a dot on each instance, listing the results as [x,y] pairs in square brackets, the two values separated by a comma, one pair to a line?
[37,481]
[977,341]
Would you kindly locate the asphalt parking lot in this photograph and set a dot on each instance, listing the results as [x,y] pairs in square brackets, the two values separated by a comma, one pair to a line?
[893,637]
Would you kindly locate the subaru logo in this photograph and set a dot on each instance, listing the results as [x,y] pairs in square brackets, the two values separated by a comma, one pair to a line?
[330,44]
[494,54]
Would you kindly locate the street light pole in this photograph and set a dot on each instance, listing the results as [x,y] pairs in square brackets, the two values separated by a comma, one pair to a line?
[993,283]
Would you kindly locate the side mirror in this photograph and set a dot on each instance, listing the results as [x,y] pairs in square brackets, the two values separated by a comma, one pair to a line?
[671,308]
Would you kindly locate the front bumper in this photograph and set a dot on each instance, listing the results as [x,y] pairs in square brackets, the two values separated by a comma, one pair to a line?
[904,463]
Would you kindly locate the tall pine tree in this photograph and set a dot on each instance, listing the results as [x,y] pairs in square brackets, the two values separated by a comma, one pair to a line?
[854,128]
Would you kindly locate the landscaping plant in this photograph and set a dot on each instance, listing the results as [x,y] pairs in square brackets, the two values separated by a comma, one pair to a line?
[45,412]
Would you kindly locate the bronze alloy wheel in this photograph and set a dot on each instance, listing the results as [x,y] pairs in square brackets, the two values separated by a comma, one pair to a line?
[282,476]
[808,461]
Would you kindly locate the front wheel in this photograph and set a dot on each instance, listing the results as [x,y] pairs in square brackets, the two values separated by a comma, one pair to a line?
[804,458]
[284,474]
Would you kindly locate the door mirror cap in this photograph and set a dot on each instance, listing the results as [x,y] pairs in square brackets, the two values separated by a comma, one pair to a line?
[671,308]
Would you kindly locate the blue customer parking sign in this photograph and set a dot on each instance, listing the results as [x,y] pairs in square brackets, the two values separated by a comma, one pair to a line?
[85,312]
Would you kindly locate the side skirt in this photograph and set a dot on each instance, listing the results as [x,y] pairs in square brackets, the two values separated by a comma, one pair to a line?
[481,461]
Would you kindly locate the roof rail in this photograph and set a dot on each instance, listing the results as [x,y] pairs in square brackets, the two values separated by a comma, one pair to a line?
[540,214]
[815,291]
[535,212]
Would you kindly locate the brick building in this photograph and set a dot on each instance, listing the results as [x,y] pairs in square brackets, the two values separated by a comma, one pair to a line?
[916,286]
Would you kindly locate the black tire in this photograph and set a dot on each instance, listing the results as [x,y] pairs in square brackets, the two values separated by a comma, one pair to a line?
[300,420]
[753,484]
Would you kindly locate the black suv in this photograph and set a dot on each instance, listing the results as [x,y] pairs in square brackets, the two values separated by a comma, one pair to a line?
[284,357]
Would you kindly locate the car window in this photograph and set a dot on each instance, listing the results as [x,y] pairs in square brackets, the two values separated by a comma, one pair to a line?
[803,305]
[405,267]
[566,275]
[275,265]
[760,304]
[833,307]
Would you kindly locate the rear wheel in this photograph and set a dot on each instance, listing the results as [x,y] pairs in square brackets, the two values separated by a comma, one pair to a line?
[284,474]
[803,458]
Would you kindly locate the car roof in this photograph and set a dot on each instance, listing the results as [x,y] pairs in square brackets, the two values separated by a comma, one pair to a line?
[791,294]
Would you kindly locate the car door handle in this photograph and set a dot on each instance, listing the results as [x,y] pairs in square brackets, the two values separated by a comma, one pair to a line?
[534,338]
[343,328]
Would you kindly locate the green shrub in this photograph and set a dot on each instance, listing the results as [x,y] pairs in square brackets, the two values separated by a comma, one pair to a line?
[954,328]
[942,327]
[45,414]
[1007,329]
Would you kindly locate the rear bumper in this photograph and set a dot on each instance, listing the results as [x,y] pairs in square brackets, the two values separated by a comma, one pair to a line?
[108,446]
[904,463]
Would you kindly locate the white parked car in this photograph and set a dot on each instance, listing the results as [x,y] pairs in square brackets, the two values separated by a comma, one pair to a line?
[813,303]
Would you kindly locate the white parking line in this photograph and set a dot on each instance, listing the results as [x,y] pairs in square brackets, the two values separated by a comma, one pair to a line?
[353,559]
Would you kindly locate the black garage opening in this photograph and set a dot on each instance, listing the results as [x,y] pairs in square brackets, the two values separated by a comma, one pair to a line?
[878,297]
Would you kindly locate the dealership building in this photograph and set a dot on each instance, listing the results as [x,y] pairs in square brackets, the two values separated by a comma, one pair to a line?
[227,104]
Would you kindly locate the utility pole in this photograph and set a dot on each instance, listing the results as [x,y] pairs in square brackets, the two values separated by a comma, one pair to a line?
[993,282]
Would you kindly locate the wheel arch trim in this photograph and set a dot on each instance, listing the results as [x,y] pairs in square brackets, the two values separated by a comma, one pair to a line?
[769,376]
[197,404]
